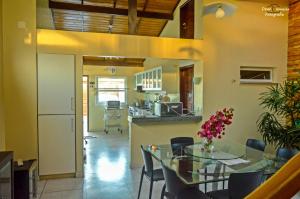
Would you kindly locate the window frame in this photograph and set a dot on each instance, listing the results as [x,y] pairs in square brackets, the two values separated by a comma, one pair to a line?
[100,90]
[253,81]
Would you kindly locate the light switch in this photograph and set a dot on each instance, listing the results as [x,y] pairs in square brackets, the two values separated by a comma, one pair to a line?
[21,24]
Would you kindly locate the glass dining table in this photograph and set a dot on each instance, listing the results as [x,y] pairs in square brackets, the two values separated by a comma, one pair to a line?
[194,165]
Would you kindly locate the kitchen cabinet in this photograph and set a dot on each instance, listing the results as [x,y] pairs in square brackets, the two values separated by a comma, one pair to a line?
[57,144]
[56,114]
[56,84]
[139,79]
[151,80]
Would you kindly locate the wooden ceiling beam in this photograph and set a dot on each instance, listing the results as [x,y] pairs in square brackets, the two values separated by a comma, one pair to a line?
[132,17]
[106,10]
[112,63]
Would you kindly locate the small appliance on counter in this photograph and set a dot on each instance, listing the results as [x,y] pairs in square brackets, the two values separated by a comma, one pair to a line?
[168,109]
[113,104]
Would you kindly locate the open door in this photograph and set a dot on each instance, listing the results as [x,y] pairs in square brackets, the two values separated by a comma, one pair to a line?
[187,16]
[187,88]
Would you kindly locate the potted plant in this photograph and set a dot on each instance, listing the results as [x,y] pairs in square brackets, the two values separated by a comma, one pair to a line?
[215,127]
[283,104]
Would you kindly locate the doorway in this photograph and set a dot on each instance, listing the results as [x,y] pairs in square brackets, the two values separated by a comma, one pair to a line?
[85,100]
[187,18]
[186,75]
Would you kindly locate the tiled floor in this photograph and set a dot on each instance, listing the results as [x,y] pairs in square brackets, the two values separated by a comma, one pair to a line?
[107,174]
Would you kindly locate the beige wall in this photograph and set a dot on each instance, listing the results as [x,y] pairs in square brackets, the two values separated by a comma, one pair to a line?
[157,133]
[171,77]
[19,70]
[96,110]
[2,129]
[79,118]
[98,44]
[248,38]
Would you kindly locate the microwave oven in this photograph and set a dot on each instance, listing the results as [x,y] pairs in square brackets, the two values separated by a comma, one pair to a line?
[168,109]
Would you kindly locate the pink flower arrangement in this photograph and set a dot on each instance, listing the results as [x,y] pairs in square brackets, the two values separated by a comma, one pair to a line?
[215,126]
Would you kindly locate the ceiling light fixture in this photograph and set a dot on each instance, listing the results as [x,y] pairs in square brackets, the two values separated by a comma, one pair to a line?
[220,9]
[220,12]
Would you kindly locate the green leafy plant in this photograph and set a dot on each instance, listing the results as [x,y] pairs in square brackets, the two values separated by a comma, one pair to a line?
[282,101]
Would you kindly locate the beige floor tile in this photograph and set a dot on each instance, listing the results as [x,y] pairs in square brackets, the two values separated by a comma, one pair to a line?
[40,186]
[63,185]
[72,194]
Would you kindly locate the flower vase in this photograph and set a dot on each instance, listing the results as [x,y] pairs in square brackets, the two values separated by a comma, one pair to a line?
[208,146]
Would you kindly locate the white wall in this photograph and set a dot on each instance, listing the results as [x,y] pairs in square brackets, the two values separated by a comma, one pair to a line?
[247,38]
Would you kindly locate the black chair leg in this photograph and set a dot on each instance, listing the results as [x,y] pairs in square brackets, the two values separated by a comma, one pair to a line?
[163,192]
[205,179]
[151,186]
[141,181]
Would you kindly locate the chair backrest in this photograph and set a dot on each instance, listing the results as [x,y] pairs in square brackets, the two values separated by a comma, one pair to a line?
[178,143]
[241,184]
[148,162]
[173,183]
[256,144]
[286,153]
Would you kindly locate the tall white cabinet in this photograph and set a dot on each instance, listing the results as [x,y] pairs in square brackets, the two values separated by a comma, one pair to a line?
[56,114]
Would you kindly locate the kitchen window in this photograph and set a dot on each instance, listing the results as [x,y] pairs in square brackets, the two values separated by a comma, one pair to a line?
[111,89]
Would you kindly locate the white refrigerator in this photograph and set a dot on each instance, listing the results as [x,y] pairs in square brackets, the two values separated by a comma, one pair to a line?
[56,114]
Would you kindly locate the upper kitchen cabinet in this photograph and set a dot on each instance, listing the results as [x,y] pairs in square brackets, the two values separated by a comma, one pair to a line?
[139,79]
[151,80]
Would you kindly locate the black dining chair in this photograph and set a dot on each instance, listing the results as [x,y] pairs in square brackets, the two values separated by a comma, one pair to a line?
[256,144]
[239,186]
[286,153]
[176,189]
[153,175]
[178,144]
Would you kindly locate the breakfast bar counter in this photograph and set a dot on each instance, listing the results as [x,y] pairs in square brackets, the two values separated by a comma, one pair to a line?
[144,130]
[151,119]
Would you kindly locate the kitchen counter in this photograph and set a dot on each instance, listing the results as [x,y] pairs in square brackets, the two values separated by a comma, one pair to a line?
[150,119]
[147,129]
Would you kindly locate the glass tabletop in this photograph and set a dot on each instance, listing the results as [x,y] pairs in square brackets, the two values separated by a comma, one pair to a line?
[220,151]
[194,166]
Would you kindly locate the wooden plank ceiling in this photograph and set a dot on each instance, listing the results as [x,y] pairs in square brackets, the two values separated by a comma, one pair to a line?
[113,61]
[155,14]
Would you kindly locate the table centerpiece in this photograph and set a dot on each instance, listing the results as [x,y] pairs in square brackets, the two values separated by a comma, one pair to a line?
[214,128]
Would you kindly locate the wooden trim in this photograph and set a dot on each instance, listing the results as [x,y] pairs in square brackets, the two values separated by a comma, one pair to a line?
[107,10]
[111,63]
[295,2]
